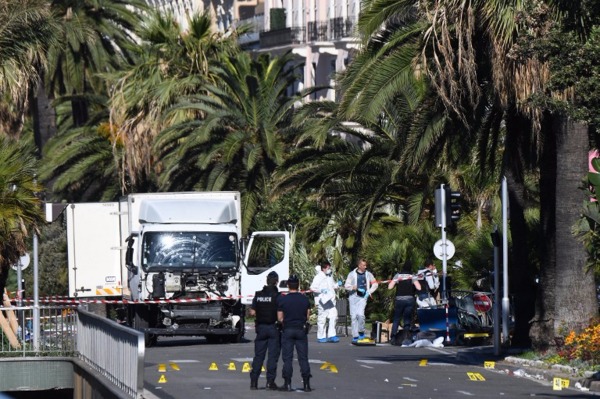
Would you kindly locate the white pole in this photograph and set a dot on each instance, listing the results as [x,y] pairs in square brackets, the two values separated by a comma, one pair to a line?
[496,311]
[36,299]
[308,67]
[20,298]
[444,246]
[19,283]
[444,262]
[505,301]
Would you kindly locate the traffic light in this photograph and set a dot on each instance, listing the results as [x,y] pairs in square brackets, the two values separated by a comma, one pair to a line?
[440,218]
[452,205]
[447,206]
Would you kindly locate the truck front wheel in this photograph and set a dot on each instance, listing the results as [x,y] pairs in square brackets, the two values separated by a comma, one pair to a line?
[142,319]
[239,337]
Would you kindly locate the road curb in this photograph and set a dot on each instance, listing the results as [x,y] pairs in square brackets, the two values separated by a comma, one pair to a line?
[536,369]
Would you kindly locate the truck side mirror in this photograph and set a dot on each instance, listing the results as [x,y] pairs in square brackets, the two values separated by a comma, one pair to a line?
[129,255]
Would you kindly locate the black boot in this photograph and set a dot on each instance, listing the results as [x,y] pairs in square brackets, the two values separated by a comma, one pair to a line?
[306,382]
[253,384]
[271,386]
[287,385]
[404,336]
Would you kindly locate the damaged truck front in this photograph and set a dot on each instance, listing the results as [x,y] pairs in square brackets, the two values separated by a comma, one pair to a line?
[176,261]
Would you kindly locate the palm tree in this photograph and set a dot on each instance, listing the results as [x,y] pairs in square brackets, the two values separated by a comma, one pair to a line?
[82,164]
[94,37]
[487,74]
[171,65]
[20,208]
[26,33]
[241,140]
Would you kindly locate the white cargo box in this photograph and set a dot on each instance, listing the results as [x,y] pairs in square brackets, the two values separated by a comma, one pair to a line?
[94,255]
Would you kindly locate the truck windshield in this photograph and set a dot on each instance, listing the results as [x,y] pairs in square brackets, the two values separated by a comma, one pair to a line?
[179,251]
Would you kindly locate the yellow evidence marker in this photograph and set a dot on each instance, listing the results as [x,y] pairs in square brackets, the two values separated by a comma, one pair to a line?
[174,366]
[475,377]
[364,342]
[231,366]
[423,362]
[213,367]
[557,384]
[489,365]
[246,368]
[162,368]
[162,379]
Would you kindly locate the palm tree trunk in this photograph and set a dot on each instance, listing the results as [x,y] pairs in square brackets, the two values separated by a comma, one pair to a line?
[521,272]
[44,118]
[566,298]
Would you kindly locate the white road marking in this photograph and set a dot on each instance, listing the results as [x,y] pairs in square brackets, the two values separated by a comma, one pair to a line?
[185,361]
[372,361]
[440,364]
[465,393]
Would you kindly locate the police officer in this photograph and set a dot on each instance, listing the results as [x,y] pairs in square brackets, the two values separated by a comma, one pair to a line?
[293,311]
[264,307]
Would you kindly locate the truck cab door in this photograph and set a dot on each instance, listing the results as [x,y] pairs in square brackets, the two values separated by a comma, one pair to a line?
[267,251]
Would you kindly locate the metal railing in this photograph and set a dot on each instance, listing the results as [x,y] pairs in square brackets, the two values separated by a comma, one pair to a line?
[315,31]
[112,350]
[108,348]
[58,330]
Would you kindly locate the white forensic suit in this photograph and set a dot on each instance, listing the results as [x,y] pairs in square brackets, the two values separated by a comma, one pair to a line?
[358,299]
[324,288]
[430,282]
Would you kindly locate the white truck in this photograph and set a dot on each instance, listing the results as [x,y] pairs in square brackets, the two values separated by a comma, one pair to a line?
[175,263]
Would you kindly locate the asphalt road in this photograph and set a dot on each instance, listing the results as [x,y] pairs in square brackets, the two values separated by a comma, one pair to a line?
[191,368]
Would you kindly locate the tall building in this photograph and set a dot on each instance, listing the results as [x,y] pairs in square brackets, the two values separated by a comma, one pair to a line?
[221,10]
[321,33]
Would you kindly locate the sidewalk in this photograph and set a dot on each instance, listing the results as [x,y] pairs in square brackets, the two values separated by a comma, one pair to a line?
[536,369]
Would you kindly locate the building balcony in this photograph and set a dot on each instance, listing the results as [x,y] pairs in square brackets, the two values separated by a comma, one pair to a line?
[282,37]
[315,31]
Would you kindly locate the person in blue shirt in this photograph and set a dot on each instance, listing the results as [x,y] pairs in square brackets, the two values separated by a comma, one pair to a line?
[293,311]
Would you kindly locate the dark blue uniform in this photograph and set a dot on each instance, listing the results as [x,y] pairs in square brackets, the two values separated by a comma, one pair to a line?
[267,333]
[295,307]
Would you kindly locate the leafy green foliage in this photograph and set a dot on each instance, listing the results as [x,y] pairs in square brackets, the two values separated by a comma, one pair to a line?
[573,62]
[20,208]
[588,227]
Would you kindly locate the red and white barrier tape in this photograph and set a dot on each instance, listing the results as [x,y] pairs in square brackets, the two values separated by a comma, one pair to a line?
[73,301]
